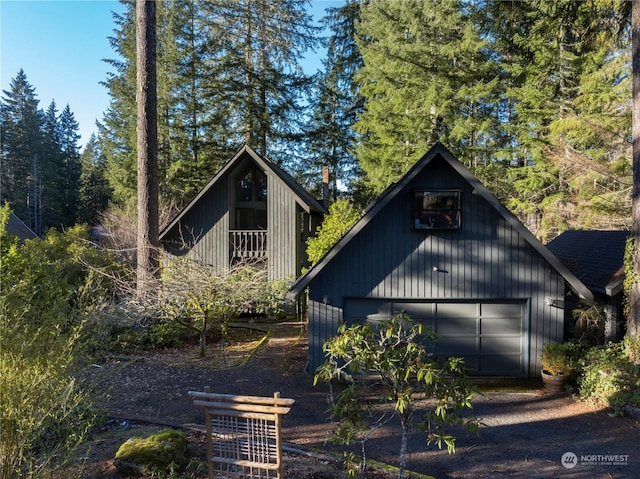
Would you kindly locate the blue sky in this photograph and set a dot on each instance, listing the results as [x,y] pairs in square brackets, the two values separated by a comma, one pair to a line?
[60,45]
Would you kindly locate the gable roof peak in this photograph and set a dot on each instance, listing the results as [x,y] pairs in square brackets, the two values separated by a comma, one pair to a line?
[440,150]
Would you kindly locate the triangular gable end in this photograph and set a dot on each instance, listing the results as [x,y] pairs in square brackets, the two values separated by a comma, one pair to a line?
[303,198]
[439,150]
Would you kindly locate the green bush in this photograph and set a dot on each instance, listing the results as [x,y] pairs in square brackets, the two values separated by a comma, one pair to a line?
[609,378]
[341,217]
[47,290]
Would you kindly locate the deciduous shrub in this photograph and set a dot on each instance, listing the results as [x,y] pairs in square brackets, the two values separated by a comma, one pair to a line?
[609,377]
[47,288]
[395,352]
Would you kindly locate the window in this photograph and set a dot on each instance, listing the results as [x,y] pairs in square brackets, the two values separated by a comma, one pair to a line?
[251,200]
[436,210]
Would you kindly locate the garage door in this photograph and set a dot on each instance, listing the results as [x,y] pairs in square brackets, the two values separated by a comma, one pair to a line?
[489,335]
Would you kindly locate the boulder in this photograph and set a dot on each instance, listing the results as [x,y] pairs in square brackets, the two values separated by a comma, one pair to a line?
[142,455]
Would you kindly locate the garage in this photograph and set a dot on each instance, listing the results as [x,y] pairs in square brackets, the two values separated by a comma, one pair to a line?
[490,335]
[491,290]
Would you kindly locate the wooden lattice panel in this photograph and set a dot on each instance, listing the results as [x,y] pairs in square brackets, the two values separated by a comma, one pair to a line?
[243,434]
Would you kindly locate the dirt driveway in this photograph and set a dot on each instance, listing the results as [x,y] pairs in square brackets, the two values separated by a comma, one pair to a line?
[526,431]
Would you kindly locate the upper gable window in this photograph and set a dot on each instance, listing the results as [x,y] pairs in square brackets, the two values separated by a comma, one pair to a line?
[436,209]
[252,186]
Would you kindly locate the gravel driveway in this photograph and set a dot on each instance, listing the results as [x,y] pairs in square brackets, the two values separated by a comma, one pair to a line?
[525,433]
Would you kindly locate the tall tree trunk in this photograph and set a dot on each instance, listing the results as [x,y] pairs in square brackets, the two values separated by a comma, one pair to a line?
[147,148]
[633,321]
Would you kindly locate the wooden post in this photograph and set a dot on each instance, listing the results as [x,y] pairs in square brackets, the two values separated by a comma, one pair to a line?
[276,396]
[207,419]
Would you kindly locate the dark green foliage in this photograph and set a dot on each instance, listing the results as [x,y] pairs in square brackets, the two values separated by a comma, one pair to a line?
[95,191]
[227,74]
[336,104]
[40,159]
[427,76]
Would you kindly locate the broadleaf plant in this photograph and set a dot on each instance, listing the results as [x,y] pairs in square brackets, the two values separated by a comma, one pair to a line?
[390,362]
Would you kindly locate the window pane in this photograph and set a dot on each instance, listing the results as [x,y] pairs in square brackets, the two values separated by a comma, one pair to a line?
[261,185]
[436,210]
[244,187]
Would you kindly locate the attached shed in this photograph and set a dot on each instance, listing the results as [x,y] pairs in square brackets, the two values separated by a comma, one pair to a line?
[250,210]
[596,257]
[439,246]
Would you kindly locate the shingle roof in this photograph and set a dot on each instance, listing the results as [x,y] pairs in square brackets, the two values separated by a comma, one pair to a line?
[596,257]
[17,228]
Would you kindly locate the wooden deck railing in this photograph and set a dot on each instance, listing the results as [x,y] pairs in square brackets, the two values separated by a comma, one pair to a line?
[248,243]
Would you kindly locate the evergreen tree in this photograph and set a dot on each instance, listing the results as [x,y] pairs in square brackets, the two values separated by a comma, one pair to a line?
[228,73]
[117,129]
[200,131]
[148,243]
[94,191]
[335,105]
[72,168]
[21,150]
[567,64]
[427,76]
[51,171]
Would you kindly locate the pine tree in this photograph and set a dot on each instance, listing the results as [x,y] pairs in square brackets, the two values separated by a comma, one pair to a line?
[95,193]
[335,106]
[426,77]
[69,137]
[227,73]
[148,243]
[567,115]
[200,138]
[117,130]
[21,150]
[51,172]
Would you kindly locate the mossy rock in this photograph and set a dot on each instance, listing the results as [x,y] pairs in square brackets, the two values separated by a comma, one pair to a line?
[142,455]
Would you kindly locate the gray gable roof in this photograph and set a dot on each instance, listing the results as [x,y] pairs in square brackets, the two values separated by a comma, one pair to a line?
[596,257]
[439,150]
[16,227]
[303,198]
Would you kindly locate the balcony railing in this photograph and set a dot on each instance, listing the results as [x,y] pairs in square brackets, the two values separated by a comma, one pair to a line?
[248,244]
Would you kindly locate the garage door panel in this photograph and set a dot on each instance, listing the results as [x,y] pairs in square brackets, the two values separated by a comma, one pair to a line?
[456,325]
[456,345]
[366,310]
[502,326]
[490,335]
[456,310]
[500,364]
[501,345]
[513,310]
[416,311]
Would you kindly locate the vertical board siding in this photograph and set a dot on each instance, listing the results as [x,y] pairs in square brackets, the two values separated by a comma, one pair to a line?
[485,259]
[205,229]
[281,224]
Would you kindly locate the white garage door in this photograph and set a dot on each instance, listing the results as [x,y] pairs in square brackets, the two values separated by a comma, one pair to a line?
[489,335]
